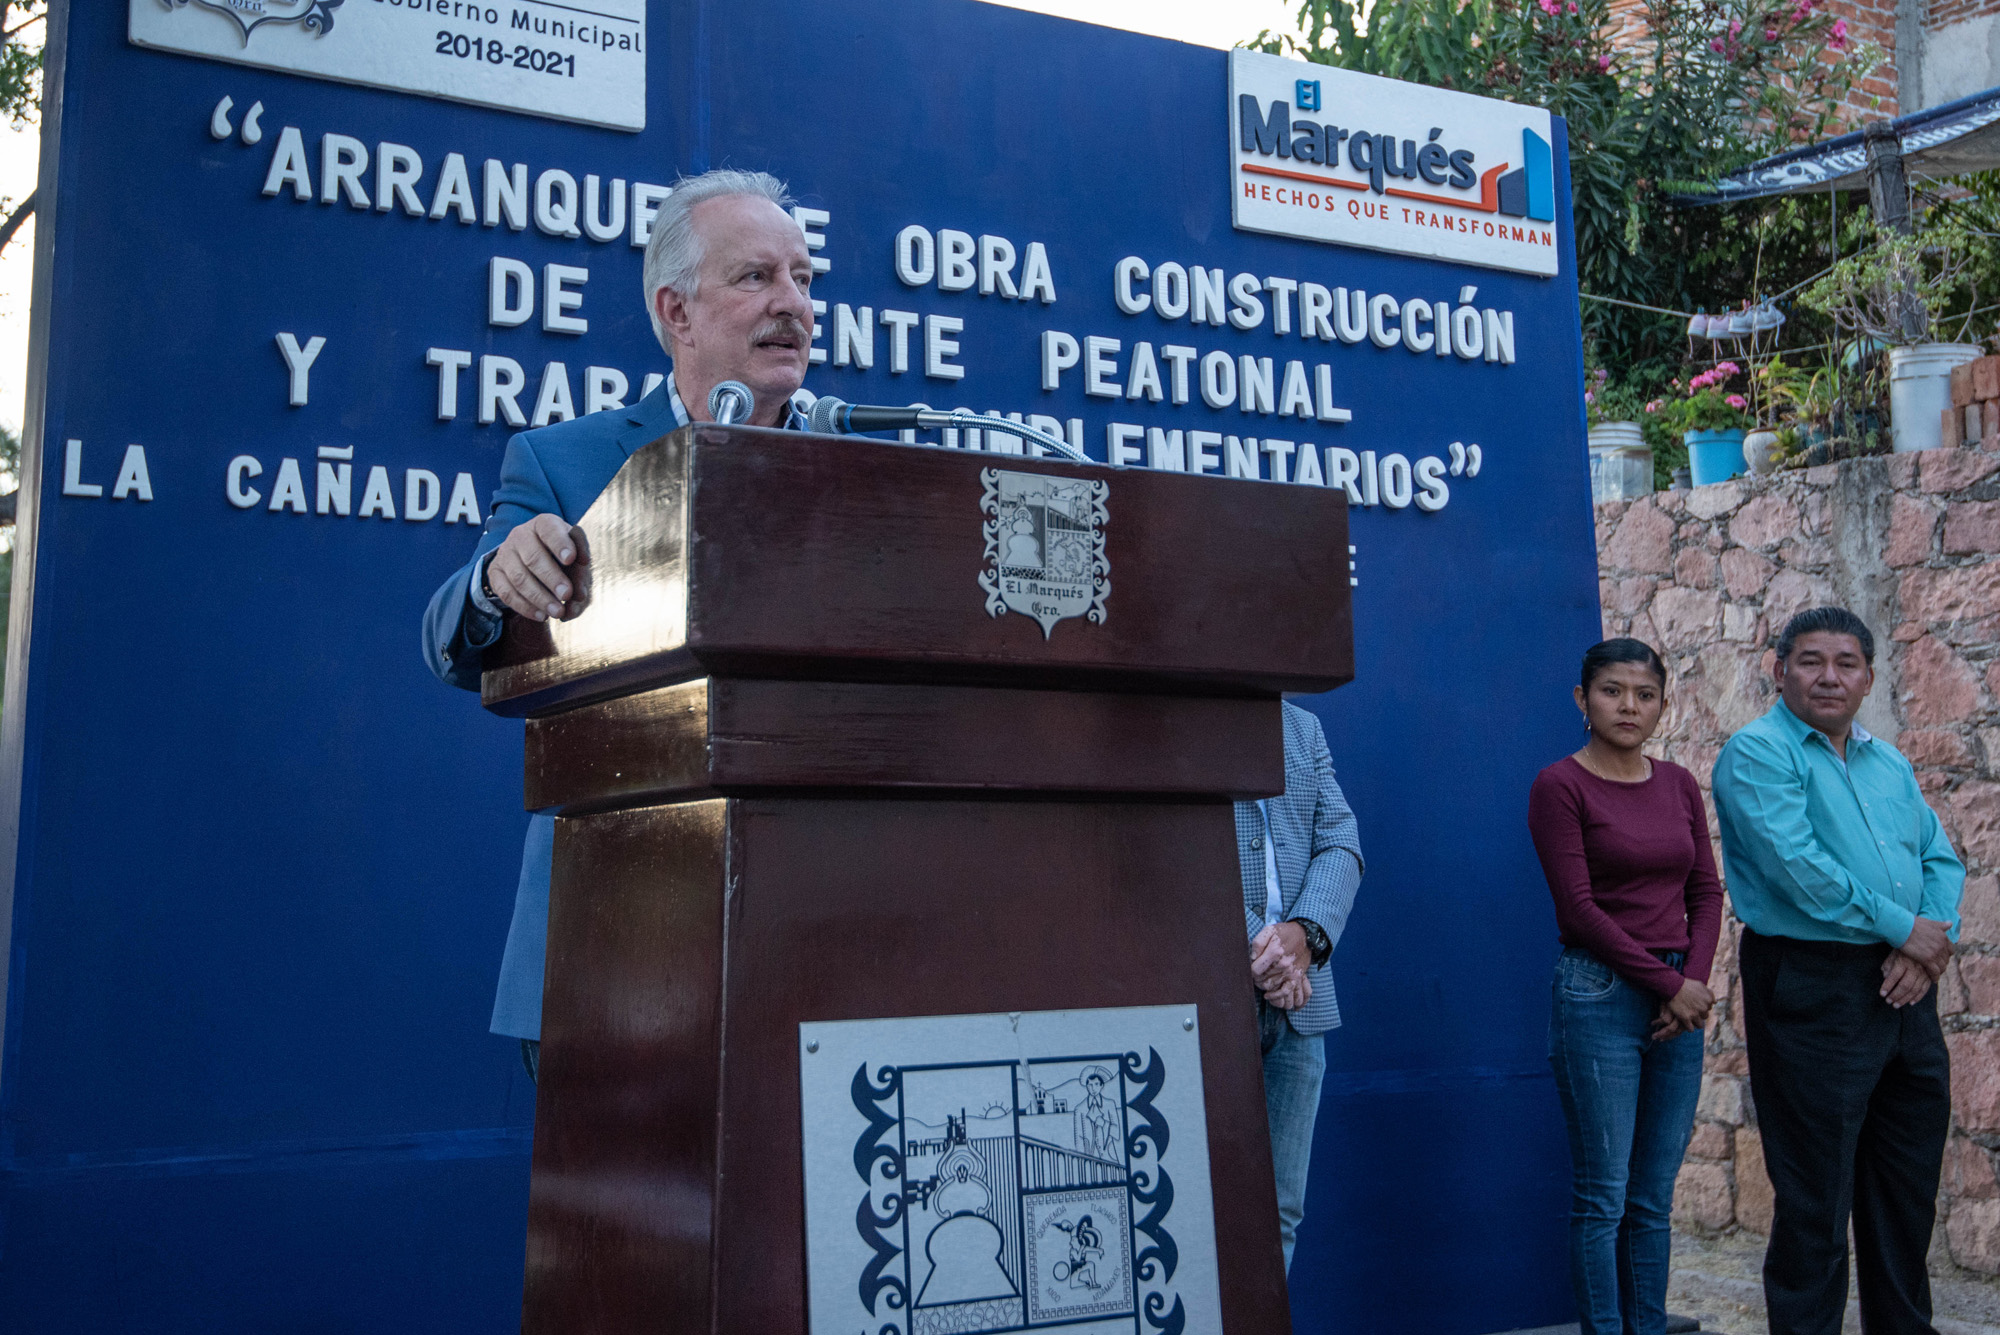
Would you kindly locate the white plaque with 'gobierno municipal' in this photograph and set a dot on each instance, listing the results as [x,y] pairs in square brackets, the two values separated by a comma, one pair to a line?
[979,1174]
[582,62]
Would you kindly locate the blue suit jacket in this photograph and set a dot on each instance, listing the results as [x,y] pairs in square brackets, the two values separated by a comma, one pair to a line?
[1318,847]
[557,469]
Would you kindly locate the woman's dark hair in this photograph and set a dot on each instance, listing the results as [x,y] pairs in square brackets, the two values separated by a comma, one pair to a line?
[1606,652]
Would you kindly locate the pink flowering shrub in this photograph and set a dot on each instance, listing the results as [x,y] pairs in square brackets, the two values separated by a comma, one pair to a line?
[1801,27]
[1606,400]
[1706,405]
[1656,96]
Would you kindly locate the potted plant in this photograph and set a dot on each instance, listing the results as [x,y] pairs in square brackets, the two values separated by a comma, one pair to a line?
[1711,418]
[1621,463]
[1806,407]
[1892,293]
[1775,443]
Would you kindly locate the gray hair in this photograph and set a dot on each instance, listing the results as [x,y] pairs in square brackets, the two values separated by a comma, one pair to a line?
[674,249]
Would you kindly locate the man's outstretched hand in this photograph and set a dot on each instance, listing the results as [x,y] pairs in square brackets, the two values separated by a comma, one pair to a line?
[1279,960]
[535,569]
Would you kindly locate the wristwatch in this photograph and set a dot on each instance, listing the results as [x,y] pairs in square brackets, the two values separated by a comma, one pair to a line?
[1316,940]
[489,601]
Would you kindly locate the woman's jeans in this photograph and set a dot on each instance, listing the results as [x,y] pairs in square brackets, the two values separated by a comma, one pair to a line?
[1630,1104]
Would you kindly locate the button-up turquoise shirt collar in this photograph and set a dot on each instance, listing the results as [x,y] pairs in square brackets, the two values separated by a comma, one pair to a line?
[1824,851]
[1855,733]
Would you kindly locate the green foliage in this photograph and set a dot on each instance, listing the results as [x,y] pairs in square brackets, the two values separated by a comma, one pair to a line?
[1807,399]
[1901,289]
[21,27]
[1972,205]
[1719,83]
[1609,400]
[1834,410]
[1670,451]
[1709,403]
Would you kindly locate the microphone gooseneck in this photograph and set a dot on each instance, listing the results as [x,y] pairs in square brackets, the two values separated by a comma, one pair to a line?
[831,416]
[731,402]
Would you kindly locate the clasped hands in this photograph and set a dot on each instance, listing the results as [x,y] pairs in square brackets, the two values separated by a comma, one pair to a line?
[1909,972]
[1279,962]
[1684,1013]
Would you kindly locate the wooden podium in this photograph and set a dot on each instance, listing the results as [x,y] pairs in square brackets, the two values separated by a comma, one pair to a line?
[819,758]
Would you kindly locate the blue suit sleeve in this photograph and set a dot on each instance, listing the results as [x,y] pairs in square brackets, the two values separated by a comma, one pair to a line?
[456,633]
[1334,874]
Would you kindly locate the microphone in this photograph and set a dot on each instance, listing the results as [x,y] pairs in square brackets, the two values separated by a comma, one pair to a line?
[831,416]
[731,401]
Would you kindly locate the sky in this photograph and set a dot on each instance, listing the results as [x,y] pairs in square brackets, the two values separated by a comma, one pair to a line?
[1217,23]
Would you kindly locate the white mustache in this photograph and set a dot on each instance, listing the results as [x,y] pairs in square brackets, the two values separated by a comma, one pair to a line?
[777,327]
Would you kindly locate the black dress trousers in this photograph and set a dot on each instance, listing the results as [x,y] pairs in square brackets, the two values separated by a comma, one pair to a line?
[1854,1104]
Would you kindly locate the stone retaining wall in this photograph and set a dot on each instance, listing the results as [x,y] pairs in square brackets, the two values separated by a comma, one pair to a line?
[1709,576]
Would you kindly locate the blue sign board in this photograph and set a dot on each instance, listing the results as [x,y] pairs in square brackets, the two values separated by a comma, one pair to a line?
[291,300]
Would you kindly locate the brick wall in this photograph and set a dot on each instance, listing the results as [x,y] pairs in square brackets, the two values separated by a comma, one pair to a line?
[1628,27]
[1912,544]
[1867,21]
[1876,96]
[1944,13]
[1954,61]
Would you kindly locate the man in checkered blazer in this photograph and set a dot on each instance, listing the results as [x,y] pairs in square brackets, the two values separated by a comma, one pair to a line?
[1301,858]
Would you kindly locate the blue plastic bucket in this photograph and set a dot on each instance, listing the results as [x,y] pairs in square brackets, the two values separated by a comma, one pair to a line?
[1715,456]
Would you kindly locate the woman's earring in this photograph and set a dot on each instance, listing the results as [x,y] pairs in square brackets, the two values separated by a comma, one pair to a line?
[1586,723]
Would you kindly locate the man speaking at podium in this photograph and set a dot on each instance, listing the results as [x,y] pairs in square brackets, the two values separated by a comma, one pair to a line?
[727,279]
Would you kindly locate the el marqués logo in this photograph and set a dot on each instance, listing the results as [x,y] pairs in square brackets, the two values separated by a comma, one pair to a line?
[1526,191]
[1352,158]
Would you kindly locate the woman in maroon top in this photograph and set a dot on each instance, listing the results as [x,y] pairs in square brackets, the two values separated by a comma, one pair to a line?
[1624,843]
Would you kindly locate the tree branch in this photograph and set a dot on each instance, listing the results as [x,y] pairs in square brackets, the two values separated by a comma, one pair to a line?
[22,212]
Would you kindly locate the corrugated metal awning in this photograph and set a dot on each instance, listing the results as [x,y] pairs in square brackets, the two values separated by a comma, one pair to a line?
[1950,140]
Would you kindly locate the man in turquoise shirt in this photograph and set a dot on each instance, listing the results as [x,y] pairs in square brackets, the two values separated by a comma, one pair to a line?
[1848,891]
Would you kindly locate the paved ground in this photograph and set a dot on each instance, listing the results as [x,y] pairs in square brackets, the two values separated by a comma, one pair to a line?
[1717,1281]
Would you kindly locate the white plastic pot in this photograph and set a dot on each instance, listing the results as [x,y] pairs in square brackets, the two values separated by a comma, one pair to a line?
[1920,391]
[1760,451]
[1621,464]
[1617,436]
